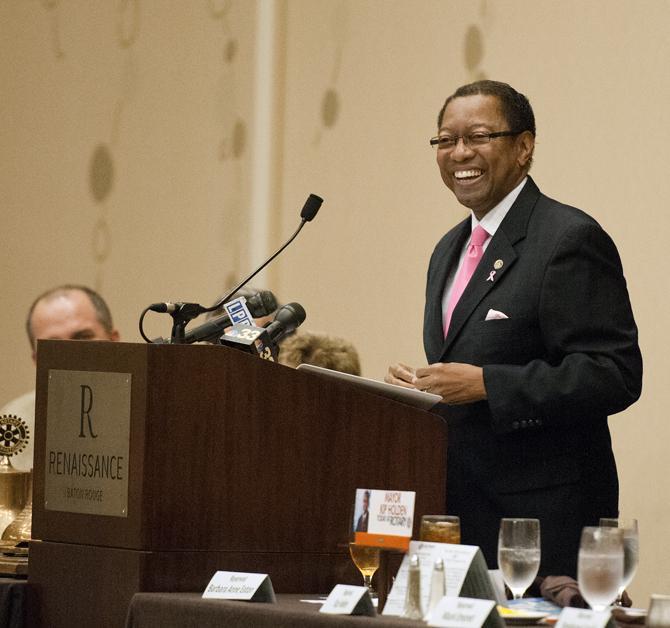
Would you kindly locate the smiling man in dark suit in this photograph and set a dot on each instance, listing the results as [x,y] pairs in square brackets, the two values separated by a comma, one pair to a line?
[529,336]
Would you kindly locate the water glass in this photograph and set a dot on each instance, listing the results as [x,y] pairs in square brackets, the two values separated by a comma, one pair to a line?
[519,553]
[659,612]
[631,549]
[600,565]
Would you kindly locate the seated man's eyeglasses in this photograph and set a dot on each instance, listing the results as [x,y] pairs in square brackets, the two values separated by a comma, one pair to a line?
[449,142]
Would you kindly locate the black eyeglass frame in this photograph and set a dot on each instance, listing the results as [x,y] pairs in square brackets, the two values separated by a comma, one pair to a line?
[435,141]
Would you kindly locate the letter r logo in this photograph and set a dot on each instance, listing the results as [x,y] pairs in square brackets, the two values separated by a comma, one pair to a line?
[86,405]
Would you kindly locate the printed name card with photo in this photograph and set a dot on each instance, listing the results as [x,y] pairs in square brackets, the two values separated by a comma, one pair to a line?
[584,618]
[465,573]
[462,612]
[384,518]
[235,585]
[347,599]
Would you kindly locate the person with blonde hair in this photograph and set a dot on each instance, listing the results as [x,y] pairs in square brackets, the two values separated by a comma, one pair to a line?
[320,349]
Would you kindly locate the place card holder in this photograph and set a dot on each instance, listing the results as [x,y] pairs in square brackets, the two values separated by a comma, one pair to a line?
[236,585]
[584,618]
[461,612]
[347,599]
[477,583]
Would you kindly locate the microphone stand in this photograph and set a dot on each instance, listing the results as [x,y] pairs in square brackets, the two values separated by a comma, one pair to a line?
[246,280]
[181,316]
[183,313]
[307,214]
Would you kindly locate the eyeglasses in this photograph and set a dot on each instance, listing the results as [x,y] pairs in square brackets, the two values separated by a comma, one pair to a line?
[449,142]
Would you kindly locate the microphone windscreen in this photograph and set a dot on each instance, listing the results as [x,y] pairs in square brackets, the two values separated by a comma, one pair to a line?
[291,315]
[311,207]
[262,303]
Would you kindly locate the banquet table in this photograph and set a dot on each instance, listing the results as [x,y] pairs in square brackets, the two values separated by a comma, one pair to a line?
[182,610]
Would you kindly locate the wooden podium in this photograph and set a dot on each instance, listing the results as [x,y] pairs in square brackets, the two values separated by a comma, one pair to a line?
[233,463]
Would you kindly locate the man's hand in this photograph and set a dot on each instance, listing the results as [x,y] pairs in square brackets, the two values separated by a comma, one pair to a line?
[401,375]
[457,383]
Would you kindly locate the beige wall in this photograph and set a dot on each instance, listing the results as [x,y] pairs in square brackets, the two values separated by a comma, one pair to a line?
[177,213]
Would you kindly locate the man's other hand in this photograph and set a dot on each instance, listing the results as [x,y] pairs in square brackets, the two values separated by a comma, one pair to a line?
[456,383]
[401,375]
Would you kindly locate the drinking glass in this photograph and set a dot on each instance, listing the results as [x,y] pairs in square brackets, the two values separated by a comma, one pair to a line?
[659,612]
[631,549]
[366,560]
[600,565]
[519,553]
[440,529]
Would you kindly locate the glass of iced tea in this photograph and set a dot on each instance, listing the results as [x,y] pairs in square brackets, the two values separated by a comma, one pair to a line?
[367,560]
[440,529]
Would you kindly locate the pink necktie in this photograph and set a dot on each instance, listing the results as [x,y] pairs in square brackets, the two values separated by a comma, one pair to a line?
[473,255]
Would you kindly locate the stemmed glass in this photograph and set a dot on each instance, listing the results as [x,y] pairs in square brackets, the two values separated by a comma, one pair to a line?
[631,550]
[366,560]
[600,565]
[519,553]
[659,612]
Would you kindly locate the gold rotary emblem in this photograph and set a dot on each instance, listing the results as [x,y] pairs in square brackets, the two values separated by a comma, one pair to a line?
[14,434]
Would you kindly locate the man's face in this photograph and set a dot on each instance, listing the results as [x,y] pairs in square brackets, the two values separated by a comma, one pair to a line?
[481,176]
[68,316]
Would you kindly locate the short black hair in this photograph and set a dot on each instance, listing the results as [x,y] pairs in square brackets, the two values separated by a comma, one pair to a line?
[101,308]
[515,106]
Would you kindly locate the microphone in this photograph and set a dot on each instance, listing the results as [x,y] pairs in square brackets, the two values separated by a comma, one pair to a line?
[311,207]
[262,341]
[162,308]
[182,313]
[287,319]
[262,303]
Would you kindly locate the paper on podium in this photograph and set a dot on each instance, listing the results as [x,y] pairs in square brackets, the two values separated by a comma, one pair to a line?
[410,396]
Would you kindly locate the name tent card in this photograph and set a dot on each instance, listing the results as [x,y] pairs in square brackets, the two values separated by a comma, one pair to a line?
[384,518]
[461,612]
[235,585]
[346,599]
[584,618]
[465,572]
[498,584]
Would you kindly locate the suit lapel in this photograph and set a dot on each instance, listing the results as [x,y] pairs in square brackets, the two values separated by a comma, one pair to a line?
[501,249]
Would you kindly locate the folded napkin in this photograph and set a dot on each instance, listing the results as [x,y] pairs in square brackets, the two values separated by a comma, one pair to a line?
[564,591]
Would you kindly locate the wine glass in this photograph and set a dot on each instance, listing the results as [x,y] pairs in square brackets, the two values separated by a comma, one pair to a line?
[631,549]
[659,611]
[600,565]
[440,529]
[519,553]
[366,560]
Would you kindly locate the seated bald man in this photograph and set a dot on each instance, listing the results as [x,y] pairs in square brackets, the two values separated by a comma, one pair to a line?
[68,312]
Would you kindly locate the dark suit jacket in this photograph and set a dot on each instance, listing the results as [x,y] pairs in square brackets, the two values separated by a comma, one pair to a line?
[362,523]
[565,359]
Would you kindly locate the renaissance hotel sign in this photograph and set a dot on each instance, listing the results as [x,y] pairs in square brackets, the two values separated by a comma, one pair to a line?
[88,441]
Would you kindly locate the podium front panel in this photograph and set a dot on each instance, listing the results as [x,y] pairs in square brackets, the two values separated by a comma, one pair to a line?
[229,452]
